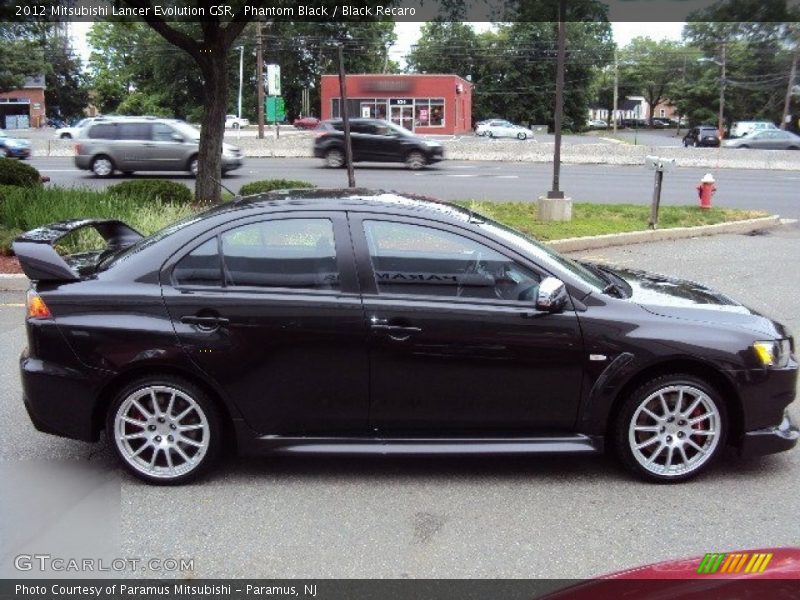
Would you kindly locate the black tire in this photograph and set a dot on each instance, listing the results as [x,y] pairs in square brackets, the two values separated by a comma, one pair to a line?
[415,160]
[521,136]
[490,134]
[127,173]
[202,422]
[334,158]
[193,165]
[744,146]
[66,136]
[685,144]
[102,166]
[674,432]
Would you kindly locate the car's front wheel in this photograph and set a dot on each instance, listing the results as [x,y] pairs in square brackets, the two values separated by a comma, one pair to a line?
[521,135]
[415,161]
[165,429]
[194,166]
[671,428]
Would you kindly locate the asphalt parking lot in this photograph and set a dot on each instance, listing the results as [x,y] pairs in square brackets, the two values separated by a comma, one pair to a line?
[558,517]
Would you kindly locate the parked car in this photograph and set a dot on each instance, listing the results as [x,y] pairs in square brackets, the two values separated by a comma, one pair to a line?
[130,144]
[12,147]
[360,322]
[597,124]
[742,128]
[661,123]
[71,132]
[56,122]
[767,139]
[509,130]
[306,123]
[374,140]
[701,136]
[234,122]
[482,126]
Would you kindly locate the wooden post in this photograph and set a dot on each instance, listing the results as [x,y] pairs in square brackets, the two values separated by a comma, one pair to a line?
[348,148]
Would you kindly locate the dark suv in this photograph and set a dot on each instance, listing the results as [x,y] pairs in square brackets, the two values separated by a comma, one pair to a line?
[703,135]
[374,140]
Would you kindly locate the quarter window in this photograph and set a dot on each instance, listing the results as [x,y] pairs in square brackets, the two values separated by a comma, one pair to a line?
[412,259]
[287,253]
[200,267]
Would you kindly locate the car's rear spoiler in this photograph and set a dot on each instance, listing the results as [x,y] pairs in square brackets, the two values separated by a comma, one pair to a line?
[40,261]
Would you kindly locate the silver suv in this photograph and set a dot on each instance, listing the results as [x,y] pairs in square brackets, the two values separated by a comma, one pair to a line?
[143,144]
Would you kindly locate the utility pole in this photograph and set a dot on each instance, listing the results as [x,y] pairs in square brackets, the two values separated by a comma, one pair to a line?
[348,148]
[260,78]
[721,123]
[241,78]
[616,90]
[562,37]
[792,76]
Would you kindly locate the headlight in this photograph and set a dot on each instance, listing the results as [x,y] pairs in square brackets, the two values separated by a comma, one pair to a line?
[773,354]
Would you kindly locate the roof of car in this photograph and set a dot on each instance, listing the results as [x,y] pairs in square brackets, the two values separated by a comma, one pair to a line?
[358,199]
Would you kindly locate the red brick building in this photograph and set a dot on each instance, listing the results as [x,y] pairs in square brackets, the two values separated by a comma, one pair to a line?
[24,108]
[432,104]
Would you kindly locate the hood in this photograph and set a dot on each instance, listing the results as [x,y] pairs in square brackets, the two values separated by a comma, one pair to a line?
[682,299]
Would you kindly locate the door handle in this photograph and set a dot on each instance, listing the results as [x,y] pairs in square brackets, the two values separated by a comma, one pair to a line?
[205,323]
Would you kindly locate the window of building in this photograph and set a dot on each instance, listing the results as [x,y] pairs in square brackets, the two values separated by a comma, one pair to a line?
[429,112]
[663,112]
[413,259]
[286,253]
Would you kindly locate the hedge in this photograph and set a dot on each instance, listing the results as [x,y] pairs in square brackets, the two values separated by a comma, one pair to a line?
[15,172]
[153,189]
[268,185]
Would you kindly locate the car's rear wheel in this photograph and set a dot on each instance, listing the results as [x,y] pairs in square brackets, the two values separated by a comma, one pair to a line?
[66,136]
[165,429]
[490,134]
[102,166]
[415,161]
[235,126]
[743,146]
[521,136]
[334,158]
[671,428]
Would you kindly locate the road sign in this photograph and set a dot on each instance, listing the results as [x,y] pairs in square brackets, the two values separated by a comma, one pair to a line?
[275,109]
[273,80]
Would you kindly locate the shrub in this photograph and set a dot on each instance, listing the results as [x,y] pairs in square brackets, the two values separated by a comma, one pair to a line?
[267,185]
[6,237]
[152,189]
[16,172]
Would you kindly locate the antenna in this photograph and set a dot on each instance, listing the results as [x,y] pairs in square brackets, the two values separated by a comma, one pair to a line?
[236,197]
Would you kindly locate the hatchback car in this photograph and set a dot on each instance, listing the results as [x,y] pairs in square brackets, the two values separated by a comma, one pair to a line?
[767,139]
[507,130]
[374,140]
[701,136]
[131,144]
[12,147]
[361,322]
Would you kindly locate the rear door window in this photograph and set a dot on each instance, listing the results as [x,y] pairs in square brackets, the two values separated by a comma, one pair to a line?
[135,131]
[103,131]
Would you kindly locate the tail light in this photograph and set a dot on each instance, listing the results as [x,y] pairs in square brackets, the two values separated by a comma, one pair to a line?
[77,149]
[36,307]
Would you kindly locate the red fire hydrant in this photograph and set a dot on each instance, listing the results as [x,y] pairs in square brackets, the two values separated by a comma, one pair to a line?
[706,190]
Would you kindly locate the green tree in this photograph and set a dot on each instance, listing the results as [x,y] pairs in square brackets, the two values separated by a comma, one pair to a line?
[66,92]
[21,57]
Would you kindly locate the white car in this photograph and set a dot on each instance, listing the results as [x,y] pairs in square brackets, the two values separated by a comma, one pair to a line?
[597,124]
[69,133]
[483,126]
[234,122]
[509,130]
[742,128]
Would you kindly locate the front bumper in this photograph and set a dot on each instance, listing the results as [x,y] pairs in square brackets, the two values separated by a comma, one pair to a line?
[770,439]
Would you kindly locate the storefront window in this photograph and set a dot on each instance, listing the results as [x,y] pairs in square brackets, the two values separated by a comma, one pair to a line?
[437,113]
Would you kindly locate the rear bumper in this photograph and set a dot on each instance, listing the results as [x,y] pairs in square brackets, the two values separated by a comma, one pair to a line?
[83,161]
[771,439]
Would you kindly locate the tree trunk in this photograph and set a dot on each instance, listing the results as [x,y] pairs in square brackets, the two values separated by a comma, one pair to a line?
[215,72]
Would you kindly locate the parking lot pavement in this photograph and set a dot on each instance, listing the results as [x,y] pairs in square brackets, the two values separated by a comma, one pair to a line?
[442,517]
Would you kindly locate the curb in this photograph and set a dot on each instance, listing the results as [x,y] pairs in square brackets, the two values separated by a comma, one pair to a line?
[20,283]
[676,233]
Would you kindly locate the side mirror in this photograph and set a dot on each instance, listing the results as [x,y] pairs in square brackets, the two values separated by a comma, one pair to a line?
[552,295]
[177,138]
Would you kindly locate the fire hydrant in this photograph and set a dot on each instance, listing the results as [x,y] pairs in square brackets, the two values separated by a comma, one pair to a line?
[706,190]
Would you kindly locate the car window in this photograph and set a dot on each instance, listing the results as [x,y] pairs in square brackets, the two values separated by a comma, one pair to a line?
[200,267]
[103,131]
[419,260]
[163,133]
[286,253]
[135,131]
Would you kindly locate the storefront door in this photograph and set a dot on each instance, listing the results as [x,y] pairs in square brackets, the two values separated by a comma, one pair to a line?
[403,115]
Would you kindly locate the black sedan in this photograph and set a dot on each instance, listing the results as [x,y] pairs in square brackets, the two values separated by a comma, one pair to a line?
[358,322]
[701,136]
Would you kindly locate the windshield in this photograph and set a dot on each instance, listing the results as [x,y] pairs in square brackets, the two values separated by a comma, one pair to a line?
[397,129]
[545,256]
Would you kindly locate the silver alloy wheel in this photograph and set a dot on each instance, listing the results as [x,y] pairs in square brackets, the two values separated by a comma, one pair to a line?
[675,430]
[334,158]
[161,432]
[521,135]
[194,166]
[415,161]
[102,167]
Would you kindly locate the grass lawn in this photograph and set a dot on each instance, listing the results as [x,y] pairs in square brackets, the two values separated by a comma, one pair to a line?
[597,219]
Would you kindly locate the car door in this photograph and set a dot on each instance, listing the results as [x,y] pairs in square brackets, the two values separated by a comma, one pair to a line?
[133,147]
[456,348]
[167,149]
[270,310]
